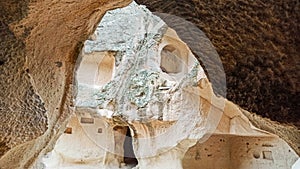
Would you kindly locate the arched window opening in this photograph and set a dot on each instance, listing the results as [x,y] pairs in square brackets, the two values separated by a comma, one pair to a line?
[105,70]
[171,60]
[96,68]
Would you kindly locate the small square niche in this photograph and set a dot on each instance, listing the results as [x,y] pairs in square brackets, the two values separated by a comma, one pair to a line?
[267,155]
[68,130]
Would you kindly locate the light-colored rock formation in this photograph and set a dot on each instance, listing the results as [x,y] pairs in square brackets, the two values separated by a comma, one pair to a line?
[138,84]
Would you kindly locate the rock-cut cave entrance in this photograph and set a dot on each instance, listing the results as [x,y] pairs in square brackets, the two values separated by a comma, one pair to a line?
[123,144]
[129,156]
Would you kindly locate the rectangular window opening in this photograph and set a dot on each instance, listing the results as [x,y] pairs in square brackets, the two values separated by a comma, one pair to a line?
[267,155]
[87,120]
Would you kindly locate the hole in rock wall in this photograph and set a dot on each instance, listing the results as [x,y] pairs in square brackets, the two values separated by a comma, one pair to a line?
[68,130]
[129,156]
[256,154]
[96,68]
[1,62]
[123,145]
[86,120]
[171,60]
[267,155]
[105,70]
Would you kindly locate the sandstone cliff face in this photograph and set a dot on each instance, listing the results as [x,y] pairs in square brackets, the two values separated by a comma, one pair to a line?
[39,44]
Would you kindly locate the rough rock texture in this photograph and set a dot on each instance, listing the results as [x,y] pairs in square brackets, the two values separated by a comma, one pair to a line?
[19,102]
[145,91]
[258,42]
[289,133]
[39,44]
[140,78]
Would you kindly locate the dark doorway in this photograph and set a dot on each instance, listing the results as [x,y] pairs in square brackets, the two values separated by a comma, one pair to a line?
[129,156]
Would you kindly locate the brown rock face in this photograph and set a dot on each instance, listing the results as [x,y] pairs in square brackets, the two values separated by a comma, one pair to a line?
[39,44]
[258,43]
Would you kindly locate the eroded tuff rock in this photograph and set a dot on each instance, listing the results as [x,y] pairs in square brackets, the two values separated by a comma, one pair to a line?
[140,81]
[39,43]
[258,42]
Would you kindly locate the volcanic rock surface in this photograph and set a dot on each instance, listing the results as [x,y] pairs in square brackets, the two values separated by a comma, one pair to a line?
[258,43]
[41,40]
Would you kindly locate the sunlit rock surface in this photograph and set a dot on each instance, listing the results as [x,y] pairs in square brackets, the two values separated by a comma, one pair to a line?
[143,96]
